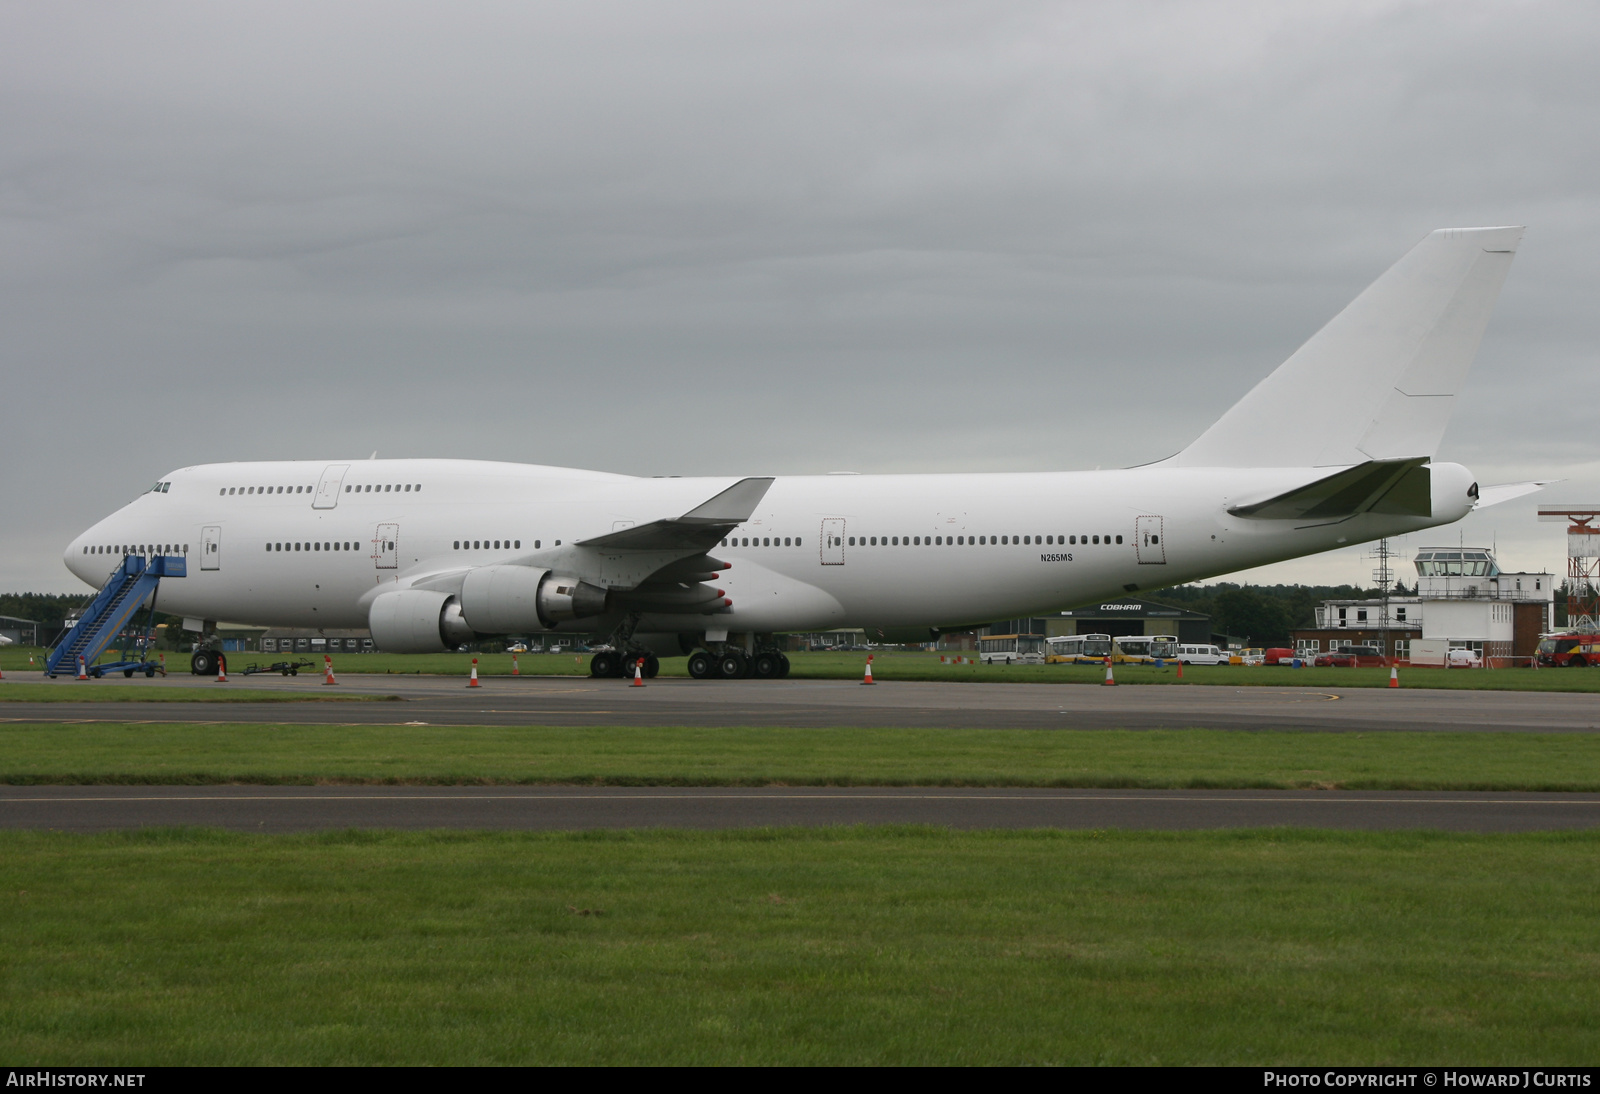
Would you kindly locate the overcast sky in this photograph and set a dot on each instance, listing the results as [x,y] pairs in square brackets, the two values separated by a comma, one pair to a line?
[700,238]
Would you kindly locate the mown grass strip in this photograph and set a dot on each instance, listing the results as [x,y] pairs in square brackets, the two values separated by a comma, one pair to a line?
[135,753]
[834,946]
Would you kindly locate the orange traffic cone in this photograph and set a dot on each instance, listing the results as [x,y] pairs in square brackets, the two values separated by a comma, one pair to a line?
[473,683]
[1394,676]
[222,669]
[328,678]
[514,670]
[1109,681]
[638,673]
[83,670]
[867,679]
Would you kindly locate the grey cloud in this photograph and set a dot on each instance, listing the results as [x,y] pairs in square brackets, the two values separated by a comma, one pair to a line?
[711,238]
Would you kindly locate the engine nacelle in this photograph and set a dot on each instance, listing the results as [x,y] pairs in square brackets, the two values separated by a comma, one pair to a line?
[518,599]
[417,621]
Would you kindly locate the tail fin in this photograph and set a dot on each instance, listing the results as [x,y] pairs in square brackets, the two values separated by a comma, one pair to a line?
[1379,381]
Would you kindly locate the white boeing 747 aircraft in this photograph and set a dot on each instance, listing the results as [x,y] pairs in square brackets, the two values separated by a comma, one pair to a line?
[1335,447]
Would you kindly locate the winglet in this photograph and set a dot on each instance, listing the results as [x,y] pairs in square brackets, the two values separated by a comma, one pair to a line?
[733,506]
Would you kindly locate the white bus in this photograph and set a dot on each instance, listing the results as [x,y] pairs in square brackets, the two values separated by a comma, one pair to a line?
[1080,649]
[1145,649]
[1011,649]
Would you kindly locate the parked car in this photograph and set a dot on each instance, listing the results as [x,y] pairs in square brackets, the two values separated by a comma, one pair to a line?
[1252,656]
[1278,655]
[1351,657]
[1465,659]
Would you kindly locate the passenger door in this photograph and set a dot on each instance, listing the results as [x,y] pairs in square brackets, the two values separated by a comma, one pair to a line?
[1147,542]
[833,541]
[329,485]
[386,547]
[211,547]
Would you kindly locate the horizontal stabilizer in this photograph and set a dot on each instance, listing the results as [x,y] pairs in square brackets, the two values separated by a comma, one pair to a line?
[698,529]
[1379,381]
[1399,487]
[1505,491]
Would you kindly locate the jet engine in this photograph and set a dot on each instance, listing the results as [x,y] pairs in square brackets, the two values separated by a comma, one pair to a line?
[417,621]
[517,599]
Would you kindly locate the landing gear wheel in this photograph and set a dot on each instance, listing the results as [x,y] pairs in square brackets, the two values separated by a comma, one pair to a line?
[632,661]
[765,665]
[203,663]
[652,665]
[732,665]
[605,663]
[702,666]
[783,666]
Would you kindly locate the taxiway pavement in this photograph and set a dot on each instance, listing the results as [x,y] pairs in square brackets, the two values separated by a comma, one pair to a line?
[291,809]
[574,700]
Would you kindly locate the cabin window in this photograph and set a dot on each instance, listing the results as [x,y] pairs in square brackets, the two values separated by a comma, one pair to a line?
[766,542]
[797,542]
[536,544]
[517,545]
[419,487]
[1119,539]
[408,488]
[456,545]
[347,489]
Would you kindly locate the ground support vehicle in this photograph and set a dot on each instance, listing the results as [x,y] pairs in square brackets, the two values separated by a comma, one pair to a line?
[1568,650]
[286,668]
[1278,656]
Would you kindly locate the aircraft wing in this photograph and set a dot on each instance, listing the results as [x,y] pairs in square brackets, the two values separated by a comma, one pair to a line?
[699,529]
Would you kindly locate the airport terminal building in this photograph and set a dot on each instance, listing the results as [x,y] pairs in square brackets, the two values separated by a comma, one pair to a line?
[1462,597]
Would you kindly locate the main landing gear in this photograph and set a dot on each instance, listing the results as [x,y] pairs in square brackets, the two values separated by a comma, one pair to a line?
[734,664]
[614,664]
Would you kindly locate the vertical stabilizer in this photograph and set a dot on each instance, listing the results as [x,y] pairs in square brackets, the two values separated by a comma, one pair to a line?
[1379,381]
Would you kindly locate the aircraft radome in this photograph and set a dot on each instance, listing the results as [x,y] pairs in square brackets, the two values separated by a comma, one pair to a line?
[1336,446]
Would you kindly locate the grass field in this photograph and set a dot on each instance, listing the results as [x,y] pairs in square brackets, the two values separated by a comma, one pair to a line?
[885,946]
[688,756]
[912,665]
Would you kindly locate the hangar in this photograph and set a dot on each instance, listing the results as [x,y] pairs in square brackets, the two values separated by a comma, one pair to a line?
[1116,618]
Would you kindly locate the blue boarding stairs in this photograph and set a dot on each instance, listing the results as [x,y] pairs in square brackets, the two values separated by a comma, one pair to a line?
[130,585]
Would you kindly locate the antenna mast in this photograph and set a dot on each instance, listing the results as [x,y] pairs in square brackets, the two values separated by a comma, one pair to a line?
[1583,563]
